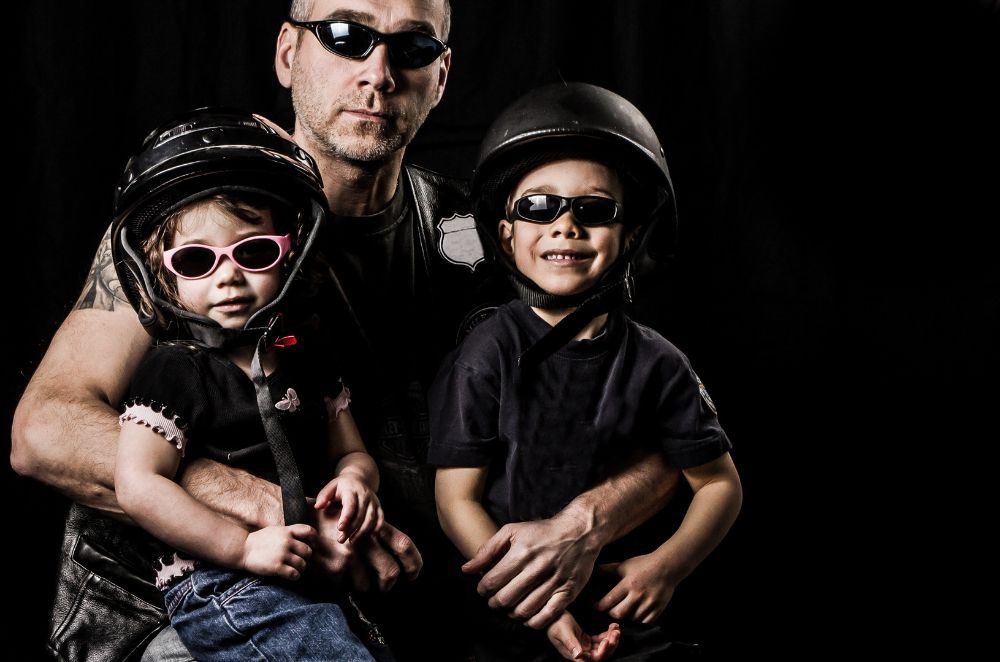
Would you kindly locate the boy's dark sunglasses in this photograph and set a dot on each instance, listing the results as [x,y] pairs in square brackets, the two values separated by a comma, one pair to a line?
[407,50]
[587,209]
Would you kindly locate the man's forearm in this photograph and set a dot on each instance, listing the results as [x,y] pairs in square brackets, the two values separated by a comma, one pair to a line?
[82,469]
[625,500]
[242,497]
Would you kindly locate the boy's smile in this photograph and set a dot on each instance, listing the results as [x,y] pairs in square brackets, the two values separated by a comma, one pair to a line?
[564,257]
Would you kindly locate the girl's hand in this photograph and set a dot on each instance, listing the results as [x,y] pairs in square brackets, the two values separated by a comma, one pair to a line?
[643,592]
[281,551]
[361,512]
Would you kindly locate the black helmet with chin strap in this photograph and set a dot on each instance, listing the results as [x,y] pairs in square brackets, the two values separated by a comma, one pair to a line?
[574,121]
[206,152]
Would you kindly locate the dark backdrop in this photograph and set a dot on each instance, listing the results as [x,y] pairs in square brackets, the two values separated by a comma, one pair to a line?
[836,170]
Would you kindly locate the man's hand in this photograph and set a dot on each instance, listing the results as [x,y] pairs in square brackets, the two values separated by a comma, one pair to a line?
[386,555]
[537,568]
[644,591]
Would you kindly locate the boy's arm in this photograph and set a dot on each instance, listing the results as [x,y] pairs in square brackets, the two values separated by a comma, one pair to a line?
[648,581]
[65,428]
[538,568]
[145,465]
[457,492]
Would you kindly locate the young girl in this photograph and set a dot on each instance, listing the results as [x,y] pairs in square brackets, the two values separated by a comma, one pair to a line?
[215,219]
[547,397]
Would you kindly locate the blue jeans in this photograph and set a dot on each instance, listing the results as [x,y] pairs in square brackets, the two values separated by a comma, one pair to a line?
[227,616]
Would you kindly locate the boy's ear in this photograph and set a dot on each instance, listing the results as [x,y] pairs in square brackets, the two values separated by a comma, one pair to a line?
[505,229]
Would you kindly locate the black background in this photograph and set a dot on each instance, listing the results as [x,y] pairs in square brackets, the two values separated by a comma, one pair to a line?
[836,165]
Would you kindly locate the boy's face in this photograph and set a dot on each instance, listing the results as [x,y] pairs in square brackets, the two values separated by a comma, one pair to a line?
[229,295]
[564,257]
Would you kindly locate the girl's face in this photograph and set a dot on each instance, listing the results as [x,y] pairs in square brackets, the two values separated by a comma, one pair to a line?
[564,257]
[228,295]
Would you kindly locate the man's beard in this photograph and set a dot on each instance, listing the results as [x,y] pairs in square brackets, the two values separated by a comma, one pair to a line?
[356,141]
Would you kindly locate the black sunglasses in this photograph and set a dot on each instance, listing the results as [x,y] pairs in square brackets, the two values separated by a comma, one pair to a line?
[587,209]
[407,50]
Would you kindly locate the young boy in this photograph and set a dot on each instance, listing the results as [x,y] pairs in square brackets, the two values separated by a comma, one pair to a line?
[547,397]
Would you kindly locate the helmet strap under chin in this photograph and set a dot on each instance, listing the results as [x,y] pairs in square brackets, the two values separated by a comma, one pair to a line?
[597,302]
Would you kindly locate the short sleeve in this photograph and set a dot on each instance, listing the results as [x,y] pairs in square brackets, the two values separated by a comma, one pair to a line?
[464,415]
[687,425]
[167,395]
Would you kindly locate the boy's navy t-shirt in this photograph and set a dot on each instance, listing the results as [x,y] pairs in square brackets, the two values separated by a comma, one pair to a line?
[551,432]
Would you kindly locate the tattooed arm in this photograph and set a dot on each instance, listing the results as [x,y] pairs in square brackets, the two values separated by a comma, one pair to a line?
[65,429]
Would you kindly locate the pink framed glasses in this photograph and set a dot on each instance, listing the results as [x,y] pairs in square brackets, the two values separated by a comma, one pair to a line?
[257,253]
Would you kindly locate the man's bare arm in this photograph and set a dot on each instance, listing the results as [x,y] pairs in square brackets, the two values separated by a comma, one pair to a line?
[538,568]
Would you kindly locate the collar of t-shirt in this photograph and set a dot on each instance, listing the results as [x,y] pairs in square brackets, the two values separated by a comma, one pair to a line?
[381,221]
[536,327]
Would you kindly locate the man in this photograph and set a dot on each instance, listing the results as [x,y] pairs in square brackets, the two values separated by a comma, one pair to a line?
[404,249]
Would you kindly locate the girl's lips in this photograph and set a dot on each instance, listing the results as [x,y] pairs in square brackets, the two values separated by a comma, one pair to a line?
[233,305]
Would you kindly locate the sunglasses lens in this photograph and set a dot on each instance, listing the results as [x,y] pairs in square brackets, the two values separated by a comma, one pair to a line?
[193,261]
[412,50]
[257,253]
[540,208]
[593,210]
[346,39]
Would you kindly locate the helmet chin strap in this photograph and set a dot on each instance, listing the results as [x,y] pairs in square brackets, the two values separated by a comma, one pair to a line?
[594,302]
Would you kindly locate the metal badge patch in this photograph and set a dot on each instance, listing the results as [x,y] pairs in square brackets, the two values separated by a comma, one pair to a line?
[459,242]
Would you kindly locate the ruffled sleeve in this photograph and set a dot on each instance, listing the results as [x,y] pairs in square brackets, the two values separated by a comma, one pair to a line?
[167,394]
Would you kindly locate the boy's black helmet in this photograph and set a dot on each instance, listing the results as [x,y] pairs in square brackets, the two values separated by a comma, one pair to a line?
[202,153]
[580,121]
[573,120]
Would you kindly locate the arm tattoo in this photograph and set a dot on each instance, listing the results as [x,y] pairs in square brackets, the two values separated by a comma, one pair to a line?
[102,290]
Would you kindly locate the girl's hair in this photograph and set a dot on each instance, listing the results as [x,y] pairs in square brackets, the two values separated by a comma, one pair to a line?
[246,206]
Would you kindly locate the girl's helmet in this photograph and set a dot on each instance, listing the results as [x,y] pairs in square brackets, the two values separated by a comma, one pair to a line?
[200,154]
[576,120]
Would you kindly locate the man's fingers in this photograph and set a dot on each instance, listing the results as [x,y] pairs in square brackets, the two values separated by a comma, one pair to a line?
[552,610]
[402,546]
[300,549]
[613,597]
[533,602]
[491,551]
[357,576]
[384,565]
[511,587]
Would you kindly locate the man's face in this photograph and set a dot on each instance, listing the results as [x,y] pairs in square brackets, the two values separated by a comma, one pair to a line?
[361,110]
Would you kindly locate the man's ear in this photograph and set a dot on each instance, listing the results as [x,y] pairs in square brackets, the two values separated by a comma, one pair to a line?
[284,53]
[505,229]
[444,65]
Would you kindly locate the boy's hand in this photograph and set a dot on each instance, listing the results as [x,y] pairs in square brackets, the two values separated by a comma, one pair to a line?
[575,644]
[360,510]
[643,592]
[278,550]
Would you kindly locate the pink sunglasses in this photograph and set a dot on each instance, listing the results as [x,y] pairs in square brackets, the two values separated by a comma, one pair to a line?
[258,253]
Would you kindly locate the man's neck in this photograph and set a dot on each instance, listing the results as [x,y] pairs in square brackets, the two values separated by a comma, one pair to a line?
[553,317]
[354,188]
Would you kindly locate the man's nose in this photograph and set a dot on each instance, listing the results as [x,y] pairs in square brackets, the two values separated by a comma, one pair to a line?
[377,70]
